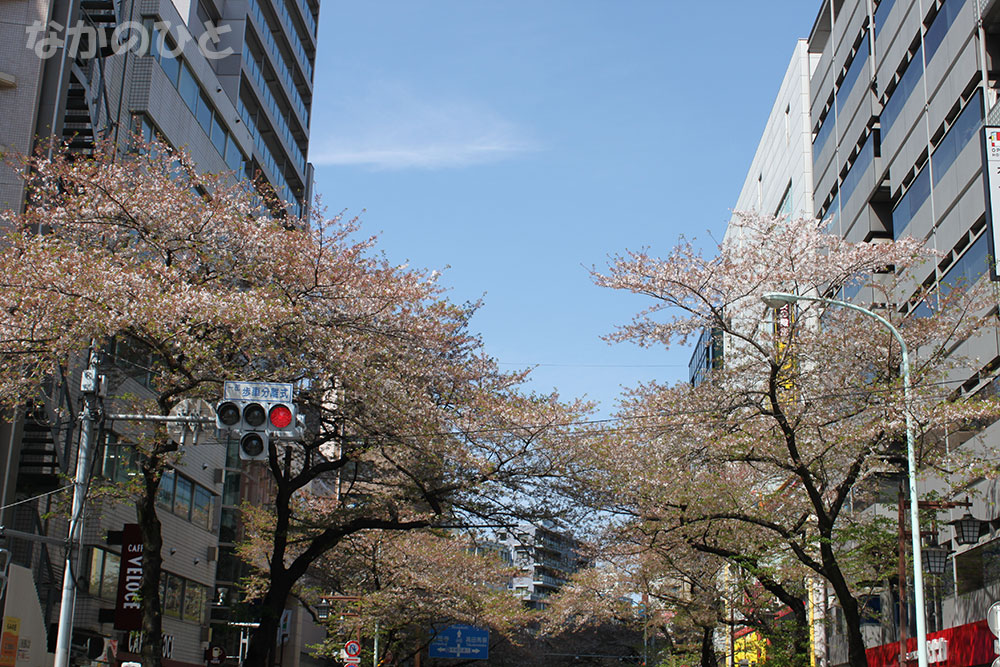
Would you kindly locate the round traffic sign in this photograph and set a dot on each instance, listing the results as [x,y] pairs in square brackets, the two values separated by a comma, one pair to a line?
[352,649]
[993,619]
[190,433]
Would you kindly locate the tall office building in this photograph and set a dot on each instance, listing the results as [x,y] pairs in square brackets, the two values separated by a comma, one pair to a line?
[545,556]
[899,98]
[231,81]
[779,180]
[899,92]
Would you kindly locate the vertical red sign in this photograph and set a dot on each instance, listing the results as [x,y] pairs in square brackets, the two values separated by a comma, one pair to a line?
[128,610]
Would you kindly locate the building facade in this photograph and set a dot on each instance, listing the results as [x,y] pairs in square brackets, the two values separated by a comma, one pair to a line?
[899,93]
[899,99]
[231,81]
[546,557]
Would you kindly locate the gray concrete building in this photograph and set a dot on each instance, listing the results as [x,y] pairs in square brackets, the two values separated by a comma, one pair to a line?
[899,95]
[546,557]
[231,81]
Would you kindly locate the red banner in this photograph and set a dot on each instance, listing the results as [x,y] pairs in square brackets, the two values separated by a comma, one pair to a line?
[128,610]
[962,646]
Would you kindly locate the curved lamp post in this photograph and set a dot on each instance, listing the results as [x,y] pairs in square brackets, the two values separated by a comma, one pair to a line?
[779,299]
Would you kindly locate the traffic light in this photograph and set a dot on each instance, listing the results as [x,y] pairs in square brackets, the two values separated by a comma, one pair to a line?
[228,416]
[283,422]
[253,446]
[247,419]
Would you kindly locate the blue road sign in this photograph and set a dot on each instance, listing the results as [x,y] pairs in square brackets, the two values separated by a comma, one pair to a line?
[461,641]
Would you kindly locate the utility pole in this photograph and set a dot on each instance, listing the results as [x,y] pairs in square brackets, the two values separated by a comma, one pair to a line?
[90,385]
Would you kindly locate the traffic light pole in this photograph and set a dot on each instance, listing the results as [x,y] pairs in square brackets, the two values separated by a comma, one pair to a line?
[89,388]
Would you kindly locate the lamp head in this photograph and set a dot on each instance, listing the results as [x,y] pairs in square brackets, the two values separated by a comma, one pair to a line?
[777,299]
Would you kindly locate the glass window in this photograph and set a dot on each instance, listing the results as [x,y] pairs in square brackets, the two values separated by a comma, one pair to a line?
[119,461]
[132,356]
[154,42]
[229,565]
[909,205]
[858,169]
[969,268]
[234,158]
[231,489]
[109,577]
[926,306]
[171,67]
[173,592]
[227,526]
[188,88]
[194,602]
[201,507]
[854,71]
[939,28]
[205,114]
[165,495]
[182,497]
[832,213]
[232,454]
[907,83]
[218,135]
[824,132]
[881,14]
[785,207]
[965,127]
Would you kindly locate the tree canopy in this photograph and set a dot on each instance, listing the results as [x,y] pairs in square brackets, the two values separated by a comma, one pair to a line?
[410,425]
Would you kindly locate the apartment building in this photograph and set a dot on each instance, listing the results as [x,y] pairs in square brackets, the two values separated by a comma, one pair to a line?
[231,81]
[546,557]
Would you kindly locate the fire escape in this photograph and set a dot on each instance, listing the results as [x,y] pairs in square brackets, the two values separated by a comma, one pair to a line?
[44,432]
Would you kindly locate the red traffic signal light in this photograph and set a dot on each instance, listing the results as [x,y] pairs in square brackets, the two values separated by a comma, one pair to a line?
[280,416]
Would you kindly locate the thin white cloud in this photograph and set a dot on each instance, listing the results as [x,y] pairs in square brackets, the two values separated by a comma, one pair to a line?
[391,127]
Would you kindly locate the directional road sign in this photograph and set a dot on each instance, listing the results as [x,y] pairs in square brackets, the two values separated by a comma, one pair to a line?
[461,641]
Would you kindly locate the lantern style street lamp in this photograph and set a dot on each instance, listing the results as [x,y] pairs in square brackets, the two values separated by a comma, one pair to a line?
[967,529]
[935,559]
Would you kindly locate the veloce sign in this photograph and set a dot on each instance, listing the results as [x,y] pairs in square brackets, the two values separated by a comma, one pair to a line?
[128,609]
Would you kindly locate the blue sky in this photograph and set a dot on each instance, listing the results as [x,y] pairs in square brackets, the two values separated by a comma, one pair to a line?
[521,142]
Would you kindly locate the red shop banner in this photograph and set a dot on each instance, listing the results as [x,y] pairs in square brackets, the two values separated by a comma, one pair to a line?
[962,646]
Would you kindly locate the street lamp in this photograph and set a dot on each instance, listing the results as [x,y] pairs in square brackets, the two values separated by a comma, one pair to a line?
[779,299]
[966,529]
[936,559]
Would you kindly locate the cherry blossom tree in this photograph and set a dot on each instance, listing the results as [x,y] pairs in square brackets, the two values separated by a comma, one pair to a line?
[404,584]
[194,268]
[774,459]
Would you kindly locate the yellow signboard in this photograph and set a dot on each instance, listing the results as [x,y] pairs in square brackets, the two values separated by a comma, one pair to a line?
[750,649]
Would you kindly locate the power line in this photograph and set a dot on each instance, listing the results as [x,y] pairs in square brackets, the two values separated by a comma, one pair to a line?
[38,497]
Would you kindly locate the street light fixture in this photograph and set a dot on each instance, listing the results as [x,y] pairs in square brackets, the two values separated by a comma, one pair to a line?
[935,559]
[779,299]
[966,529]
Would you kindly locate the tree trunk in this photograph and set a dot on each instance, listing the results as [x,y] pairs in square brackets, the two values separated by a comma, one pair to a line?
[263,638]
[708,647]
[152,564]
[852,615]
